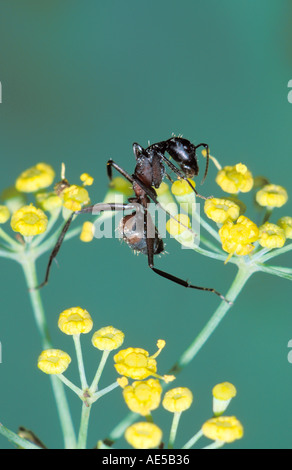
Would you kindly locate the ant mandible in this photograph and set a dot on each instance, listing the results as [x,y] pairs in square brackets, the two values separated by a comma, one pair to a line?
[137,229]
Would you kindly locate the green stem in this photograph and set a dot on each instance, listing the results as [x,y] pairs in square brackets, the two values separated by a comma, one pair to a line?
[274,271]
[189,354]
[15,245]
[69,384]
[15,439]
[274,253]
[104,391]
[193,440]
[94,385]
[214,445]
[80,362]
[82,437]
[29,269]
[52,220]
[173,430]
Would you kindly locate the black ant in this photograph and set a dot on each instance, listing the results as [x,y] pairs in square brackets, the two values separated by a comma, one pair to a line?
[137,229]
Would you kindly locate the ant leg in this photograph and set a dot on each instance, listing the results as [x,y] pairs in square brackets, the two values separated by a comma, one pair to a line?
[206,147]
[170,277]
[111,164]
[90,209]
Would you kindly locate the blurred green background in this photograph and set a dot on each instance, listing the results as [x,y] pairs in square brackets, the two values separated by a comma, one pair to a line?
[81,82]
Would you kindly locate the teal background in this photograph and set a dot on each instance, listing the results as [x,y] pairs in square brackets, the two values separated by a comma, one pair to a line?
[81,82]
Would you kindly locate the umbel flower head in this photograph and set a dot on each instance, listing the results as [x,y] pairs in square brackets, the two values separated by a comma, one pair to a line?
[108,338]
[137,364]
[224,428]
[38,177]
[177,399]
[75,321]
[143,435]
[53,361]
[235,179]
[29,221]
[144,396]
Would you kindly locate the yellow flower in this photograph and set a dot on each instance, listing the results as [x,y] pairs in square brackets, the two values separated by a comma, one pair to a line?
[29,221]
[108,338]
[271,236]
[87,233]
[271,196]
[4,214]
[185,194]
[286,224]
[75,197]
[75,321]
[143,435]
[221,210]
[165,198]
[175,227]
[224,428]
[177,400]
[86,179]
[238,238]
[182,187]
[38,177]
[222,396]
[136,363]
[48,201]
[234,179]
[53,361]
[143,397]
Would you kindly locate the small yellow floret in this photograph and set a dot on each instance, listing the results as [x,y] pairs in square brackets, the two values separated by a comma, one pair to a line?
[135,363]
[75,321]
[75,197]
[221,210]
[143,435]
[238,238]
[143,397]
[53,361]
[271,236]
[38,177]
[224,428]
[286,224]
[87,232]
[4,214]
[86,179]
[224,391]
[48,201]
[182,187]
[29,221]
[178,226]
[234,179]
[108,338]
[122,381]
[177,400]
[271,196]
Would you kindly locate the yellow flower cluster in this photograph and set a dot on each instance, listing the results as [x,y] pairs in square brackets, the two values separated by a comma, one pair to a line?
[29,221]
[237,232]
[38,177]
